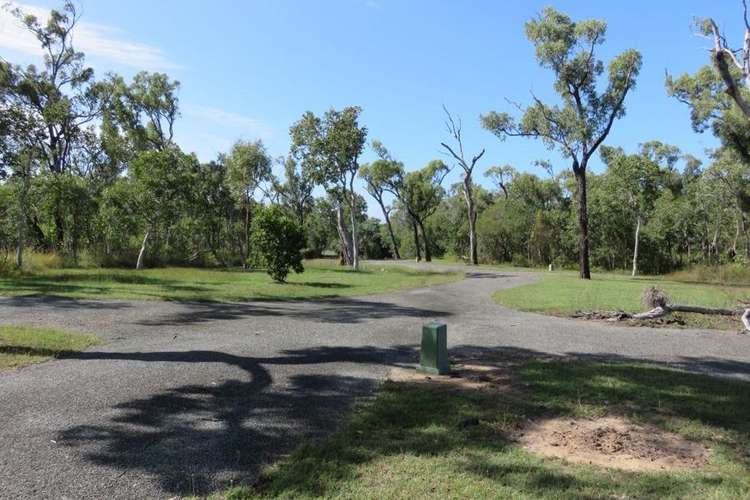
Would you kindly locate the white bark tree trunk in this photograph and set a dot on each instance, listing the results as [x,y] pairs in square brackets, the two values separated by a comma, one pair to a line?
[635,247]
[139,264]
[343,234]
[21,237]
[471,212]
[19,251]
[355,250]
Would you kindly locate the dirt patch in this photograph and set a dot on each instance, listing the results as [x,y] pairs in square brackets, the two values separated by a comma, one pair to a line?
[462,376]
[613,442]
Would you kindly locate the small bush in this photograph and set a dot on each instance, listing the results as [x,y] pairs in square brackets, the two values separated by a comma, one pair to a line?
[653,297]
[279,242]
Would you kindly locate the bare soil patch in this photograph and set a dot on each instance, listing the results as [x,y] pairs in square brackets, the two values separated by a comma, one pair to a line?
[613,442]
[462,376]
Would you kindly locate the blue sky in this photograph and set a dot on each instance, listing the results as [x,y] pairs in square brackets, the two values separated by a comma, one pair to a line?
[250,68]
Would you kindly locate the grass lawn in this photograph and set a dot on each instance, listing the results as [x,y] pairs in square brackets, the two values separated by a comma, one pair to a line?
[320,279]
[563,293]
[408,442]
[23,345]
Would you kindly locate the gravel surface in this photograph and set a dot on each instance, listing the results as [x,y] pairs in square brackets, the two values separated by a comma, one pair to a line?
[187,398]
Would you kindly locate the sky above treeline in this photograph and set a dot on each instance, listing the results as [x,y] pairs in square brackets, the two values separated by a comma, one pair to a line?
[249,69]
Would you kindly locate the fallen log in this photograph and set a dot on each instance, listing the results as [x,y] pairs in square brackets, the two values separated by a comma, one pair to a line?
[705,310]
[661,311]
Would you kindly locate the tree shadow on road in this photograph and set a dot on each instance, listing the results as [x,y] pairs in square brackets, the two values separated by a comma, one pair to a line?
[341,310]
[197,439]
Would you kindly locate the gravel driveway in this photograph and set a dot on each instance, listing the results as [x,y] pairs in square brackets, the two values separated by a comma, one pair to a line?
[187,398]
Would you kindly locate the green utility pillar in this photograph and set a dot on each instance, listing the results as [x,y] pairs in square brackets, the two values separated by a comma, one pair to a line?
[433,356]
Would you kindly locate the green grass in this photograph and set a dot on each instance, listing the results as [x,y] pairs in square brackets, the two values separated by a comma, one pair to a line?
[408,443]
[320,279]
[728,274]
[563,293]
[23,345]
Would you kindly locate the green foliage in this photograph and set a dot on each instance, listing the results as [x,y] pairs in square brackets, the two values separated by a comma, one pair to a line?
[89,167]
[279,240]
[328,150]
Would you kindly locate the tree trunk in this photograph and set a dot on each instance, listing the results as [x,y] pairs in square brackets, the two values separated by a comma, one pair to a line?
[396,254]
[472,214]
[343,235]
[245,247]
[22,221]
[426,241]
[19,247]
[416,241]
[139,264]
[583,223]
[353,217]
[635,247]
[59,230]
[743,222]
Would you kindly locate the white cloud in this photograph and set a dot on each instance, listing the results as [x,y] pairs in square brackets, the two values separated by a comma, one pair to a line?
[94,40]
[230,120]
[210,130]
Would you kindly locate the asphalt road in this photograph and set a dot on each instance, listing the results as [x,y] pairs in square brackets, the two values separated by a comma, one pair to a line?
[187,398]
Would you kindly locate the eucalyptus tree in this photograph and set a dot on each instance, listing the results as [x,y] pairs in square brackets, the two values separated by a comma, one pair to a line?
[248,165]
[636,181]
[18,157]
[212,210]
[379,177]
[732,65]
[584,118]
[501,176]
[138,116]
[467,165]
[296,193]
[60,97]
[711,108]
[421,193]
[731,176]
[328,148]
[161,184]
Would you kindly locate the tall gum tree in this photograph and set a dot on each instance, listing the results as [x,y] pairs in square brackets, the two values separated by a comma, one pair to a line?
[138,119]
[422,193]
[248,165]
[60,96]
[732,65]
[580,123]
[328,149]
[712,108]
[635,180]
[377,176]
[467,165]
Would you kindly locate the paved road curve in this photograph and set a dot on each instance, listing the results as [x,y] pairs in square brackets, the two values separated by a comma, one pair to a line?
[187,398]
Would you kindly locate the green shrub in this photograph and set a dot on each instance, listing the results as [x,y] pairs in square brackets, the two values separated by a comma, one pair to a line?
[279,242]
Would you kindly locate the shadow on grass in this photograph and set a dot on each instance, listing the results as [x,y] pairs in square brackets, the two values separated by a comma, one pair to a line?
[33,301]
[320,284]
[92,283]
[198,439]
[14,350]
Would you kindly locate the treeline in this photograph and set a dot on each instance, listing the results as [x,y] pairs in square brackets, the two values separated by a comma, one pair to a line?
[91,172]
